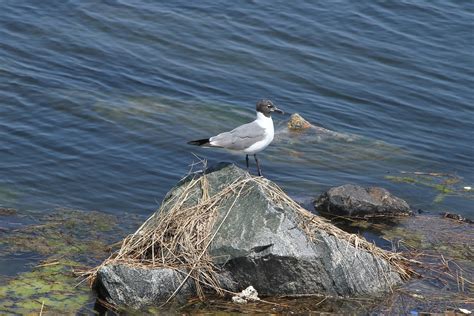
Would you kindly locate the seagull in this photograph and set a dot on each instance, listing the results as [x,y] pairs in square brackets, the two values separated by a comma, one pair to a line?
[250,138]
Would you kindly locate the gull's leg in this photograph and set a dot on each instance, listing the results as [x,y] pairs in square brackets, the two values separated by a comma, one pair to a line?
[258,166]
[247,161]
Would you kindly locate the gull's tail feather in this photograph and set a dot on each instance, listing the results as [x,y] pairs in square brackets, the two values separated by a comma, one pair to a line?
[200,142]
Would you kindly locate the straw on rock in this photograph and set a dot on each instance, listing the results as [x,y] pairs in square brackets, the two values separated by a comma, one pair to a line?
[179,234]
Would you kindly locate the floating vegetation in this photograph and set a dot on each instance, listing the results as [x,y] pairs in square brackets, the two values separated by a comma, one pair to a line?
[67,241]
[442,183]
[63,233]
[50,287]
[452,239]
[445,253]
[401,179]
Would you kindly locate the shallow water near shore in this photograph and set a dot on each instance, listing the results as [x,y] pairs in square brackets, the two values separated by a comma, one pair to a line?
[50,249]
[98,100]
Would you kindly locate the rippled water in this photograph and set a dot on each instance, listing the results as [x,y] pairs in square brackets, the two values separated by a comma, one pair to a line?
[98,99]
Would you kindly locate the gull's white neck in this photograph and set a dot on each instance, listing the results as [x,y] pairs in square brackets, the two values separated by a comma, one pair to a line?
[264,121]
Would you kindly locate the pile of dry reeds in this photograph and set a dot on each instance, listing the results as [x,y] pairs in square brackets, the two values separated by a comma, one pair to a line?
[179,234]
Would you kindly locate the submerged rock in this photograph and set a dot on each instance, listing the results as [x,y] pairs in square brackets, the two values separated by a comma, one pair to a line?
[297,122]
[264,243]
[7,211]
[457,217]
[355,201]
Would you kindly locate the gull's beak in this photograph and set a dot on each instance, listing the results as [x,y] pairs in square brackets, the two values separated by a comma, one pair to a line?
[275,109]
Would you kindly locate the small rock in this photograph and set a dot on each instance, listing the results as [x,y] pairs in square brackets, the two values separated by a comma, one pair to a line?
[297,122]
[355,201]
[249,294]
[457,217]
[7,211]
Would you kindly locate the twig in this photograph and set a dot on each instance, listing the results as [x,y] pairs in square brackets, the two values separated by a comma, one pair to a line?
[41,311]
[47,264]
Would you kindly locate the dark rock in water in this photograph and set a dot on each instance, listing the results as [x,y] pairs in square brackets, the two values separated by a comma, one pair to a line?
[457,217]
[260,243]
[355,201]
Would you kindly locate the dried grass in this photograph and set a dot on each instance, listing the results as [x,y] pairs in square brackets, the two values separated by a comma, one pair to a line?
[179,234]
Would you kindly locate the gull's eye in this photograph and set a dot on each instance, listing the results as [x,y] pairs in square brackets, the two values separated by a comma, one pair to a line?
[269,106]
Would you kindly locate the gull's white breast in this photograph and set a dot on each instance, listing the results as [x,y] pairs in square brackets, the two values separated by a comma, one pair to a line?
[267,124]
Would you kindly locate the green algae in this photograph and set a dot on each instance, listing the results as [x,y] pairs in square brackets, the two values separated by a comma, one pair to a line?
[439,198]
[401,179]
[428,234]
[414,239]
[63,233]
[67,240]
[51,287]
[444,252]
[442,184]
[76,235]
[443,188]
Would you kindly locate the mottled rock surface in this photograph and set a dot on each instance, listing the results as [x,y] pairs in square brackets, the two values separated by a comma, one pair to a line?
[261,244]
[356,201]
[297,122]
[137,287]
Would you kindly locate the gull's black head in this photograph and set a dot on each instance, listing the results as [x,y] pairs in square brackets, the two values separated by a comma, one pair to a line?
[266,107]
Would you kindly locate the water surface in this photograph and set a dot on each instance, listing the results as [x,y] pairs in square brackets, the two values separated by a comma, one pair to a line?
[98,99]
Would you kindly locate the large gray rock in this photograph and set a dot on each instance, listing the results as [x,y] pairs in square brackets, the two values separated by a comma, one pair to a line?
[137,287]
[261,244]
[353,200]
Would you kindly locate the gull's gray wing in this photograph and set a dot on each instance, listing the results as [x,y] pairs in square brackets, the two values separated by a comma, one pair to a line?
[240,138]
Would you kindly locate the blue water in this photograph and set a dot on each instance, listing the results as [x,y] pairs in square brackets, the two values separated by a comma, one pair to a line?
[98,98]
